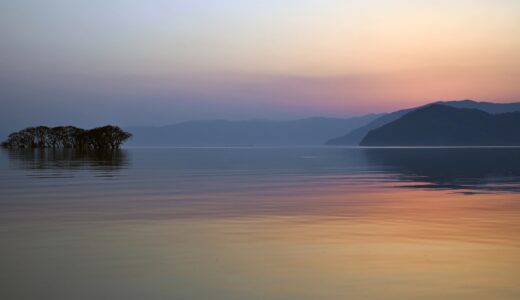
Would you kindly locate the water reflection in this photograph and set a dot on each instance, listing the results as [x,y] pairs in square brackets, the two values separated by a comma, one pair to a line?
[63,161]
[300,223]
[465,170]
[474,169]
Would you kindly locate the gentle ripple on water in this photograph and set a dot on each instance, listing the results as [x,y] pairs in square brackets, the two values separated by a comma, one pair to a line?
[260,223]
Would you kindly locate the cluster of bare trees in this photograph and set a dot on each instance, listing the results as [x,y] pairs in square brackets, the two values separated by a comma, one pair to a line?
[106,137]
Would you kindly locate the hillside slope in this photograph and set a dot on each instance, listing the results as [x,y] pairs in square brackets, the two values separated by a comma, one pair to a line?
[440,125]
[355,137]
[311,131]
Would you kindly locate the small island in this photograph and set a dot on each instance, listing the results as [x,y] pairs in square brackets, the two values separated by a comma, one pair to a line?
[100,138]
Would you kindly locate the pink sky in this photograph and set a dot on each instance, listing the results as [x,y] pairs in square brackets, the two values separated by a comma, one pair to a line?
[160,62]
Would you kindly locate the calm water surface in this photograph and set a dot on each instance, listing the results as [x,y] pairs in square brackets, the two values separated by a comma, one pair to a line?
[260,223]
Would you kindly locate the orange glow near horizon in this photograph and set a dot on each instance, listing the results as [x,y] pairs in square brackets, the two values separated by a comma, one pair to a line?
[263,59]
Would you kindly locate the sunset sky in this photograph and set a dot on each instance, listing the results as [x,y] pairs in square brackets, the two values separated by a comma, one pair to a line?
[158,62]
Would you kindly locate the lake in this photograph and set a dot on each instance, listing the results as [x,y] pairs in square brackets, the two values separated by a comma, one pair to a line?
[261,223]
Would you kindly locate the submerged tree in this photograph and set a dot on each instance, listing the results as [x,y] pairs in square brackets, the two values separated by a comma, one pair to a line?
[106,137]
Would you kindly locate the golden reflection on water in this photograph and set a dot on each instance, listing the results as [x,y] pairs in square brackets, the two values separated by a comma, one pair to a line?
[423,231]
[372,244]
[425,245]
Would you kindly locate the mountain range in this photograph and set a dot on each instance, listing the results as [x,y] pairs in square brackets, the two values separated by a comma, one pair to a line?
[442,125]
[310,131]
[355,137]
[364,130]
[447,123]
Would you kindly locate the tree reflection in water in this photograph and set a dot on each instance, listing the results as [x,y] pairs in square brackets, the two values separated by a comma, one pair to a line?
[102,162]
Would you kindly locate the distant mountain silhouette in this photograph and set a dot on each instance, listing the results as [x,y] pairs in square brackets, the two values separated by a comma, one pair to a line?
[355,137]
[441,125]
[310,131]
[489,107]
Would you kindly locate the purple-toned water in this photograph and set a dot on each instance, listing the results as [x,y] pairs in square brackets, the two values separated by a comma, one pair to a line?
[260,223]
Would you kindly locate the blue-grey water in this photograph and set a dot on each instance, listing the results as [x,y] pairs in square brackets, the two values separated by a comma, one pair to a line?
[260,223]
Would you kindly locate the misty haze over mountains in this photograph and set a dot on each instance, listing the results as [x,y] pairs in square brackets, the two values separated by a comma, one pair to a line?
[355,137]
[311,131]
[442,125]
